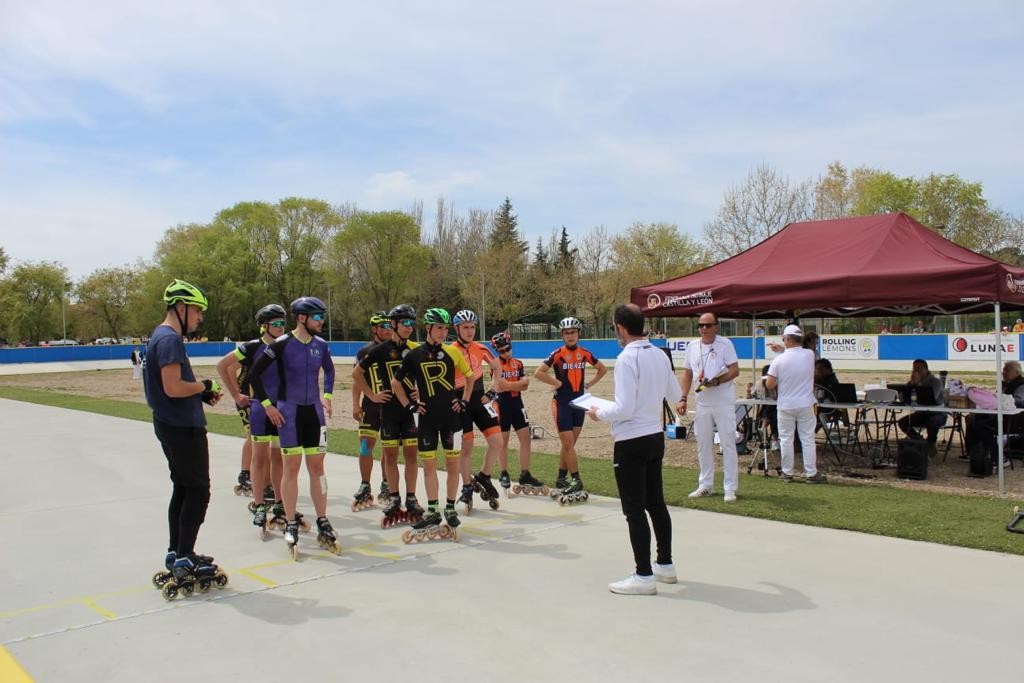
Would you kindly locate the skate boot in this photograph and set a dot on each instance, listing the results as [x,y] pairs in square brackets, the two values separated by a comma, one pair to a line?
[393,513]
[291,538]
[244,485]
[560,484]
[259,520]
[160,578]
[192,572]
[573,493]
[385,494]
[428,528]
[268,492]
[277,517]
[413,510]
[505,481]
[326,537]
[529,485]
[363,498]
[482,484]
[467,498]
[451,520]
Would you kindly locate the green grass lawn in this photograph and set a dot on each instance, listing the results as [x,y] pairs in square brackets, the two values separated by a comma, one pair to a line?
[969,521]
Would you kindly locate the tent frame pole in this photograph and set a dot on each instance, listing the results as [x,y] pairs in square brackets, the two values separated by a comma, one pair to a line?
[999,397]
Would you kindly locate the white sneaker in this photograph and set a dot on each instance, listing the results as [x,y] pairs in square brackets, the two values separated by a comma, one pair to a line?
[730,496]
[666,573]
[701,492]
[635,585]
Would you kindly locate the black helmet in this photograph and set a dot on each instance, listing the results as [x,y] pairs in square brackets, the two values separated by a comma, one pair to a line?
[402,312]
[308,305]
[270,312]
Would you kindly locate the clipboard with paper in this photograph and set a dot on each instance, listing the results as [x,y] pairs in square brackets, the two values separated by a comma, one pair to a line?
[588,401]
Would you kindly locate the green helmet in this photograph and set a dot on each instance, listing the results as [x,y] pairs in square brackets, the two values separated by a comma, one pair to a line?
[437,316]
[378,318]
[180,291]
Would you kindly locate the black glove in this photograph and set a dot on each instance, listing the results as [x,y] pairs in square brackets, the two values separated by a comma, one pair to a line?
[210,391]
[413,407]
[491,394]
[459,405]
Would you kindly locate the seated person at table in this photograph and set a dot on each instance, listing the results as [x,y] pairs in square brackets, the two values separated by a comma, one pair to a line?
[982,428]
[920,376]
[767,416]
[825,377]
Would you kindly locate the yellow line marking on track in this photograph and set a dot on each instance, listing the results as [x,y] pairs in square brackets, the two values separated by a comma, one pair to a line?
[10,670]
[102,611]
[257,577]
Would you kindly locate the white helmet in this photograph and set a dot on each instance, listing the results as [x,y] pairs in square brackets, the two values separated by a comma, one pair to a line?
[570,323]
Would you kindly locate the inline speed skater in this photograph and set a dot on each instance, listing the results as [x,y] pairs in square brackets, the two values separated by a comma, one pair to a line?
[431,367]
[299,413]
[512,416]
[176,399]
[266,450]
[367,415]
[479,412]
[569,363]
[372,375]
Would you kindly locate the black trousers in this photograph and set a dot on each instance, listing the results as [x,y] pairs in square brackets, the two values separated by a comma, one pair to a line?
[188,459]
[638,476]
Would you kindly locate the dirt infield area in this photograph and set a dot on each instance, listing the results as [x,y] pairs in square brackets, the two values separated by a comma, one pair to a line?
[947,474]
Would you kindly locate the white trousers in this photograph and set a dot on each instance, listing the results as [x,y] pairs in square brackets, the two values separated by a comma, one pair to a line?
[800,420]
[721,419]
[136,372]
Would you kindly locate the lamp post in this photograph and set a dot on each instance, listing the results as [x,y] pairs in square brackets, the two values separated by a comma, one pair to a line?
[330,332]
[63,315]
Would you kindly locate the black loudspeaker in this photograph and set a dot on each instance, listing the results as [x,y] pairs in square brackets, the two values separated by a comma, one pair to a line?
[912,459]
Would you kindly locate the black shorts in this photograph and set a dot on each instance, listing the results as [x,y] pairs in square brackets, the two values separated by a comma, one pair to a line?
[479,415]
[304,432]
[370,424]
[566,417]
[512,416]
[397,428]
[433,433]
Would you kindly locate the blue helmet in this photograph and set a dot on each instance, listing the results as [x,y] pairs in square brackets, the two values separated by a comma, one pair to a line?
[465,316]
[308,305]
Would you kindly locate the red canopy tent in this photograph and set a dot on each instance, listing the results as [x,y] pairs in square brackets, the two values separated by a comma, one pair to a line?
[869,265]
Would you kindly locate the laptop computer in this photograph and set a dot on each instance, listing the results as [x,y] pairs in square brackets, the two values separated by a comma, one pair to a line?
[845,393]
[925,394]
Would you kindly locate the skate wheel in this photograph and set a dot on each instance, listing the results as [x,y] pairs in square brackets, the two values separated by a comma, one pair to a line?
[336,548]
[294,552]
[159,580]
[238,489]
[432,534]
[305,526]
[188,589]
[444,532]
[493,503]
[517,489]
[586,497]
[221,579]
[252,506]
[204,586]
[169,591]
[355,507]
[407,536]
[455,535]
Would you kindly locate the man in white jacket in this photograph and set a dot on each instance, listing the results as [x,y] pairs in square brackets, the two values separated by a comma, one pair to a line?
[643,381]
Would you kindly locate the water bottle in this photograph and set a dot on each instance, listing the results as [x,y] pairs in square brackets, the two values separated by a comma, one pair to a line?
[913,396]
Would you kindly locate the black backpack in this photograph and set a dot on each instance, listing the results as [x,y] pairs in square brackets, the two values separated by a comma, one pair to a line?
[979,459]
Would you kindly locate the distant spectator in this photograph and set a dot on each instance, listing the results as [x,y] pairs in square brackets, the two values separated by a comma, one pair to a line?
[136,359]
[919,327]
[1005,330]
[885,328]
[1018,326]
[811,342]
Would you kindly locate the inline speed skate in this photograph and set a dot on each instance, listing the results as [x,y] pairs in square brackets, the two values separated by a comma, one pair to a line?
[467,498]
[363,498]
[384,495]
[291,538]
[160,578]
[505,481]
[192,572]
[393,513]
[268,497]
[430,528]
[529,485]
[482,484]
[259,520]
[413,510]
[560,485]
[244,485]
[326,537]
[280,521]
[573,493]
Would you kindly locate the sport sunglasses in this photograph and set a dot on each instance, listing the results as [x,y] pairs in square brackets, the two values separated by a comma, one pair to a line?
[277,323]
[317,316]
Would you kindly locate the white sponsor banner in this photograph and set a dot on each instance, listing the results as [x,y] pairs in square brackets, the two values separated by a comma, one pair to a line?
[982,347]
[849,346]
[677,345]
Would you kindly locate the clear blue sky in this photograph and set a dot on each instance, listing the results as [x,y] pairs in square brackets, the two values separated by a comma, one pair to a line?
[121,119]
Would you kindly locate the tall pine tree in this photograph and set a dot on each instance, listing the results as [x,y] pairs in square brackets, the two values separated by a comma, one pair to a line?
[505,231]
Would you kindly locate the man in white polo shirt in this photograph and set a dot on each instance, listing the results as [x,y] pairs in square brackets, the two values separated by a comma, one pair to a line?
[712,365]
[792,376]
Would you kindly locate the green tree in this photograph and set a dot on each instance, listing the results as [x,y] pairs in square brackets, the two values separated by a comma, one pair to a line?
[4,260]
[882,192]
[32,301]
[505,231]
[105,296]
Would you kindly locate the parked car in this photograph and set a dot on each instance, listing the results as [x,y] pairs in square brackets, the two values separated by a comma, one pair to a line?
[63,342]
[105,340]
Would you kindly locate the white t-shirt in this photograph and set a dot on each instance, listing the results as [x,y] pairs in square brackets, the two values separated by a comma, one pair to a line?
[794,370]
[707,360]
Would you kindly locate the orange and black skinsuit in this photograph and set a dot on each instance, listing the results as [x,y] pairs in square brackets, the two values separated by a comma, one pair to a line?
[512,412]
[433,368]
[476,355]
[569,366]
